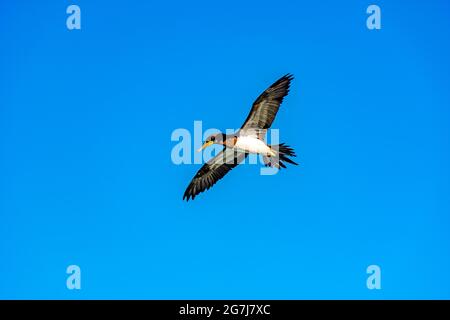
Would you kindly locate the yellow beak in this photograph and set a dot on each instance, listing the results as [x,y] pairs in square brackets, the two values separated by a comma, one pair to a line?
[206,144]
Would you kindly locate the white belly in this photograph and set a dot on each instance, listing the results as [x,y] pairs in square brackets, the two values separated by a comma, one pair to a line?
[252,145]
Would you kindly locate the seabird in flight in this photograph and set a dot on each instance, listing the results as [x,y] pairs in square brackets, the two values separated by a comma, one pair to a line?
[249,139]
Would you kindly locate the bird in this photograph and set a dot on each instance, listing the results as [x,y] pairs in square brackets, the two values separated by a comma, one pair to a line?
[250,138]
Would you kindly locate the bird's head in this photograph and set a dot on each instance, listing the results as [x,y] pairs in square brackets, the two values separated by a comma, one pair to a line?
[217,138]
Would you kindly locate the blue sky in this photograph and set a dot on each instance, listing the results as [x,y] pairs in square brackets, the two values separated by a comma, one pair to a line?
[86,118]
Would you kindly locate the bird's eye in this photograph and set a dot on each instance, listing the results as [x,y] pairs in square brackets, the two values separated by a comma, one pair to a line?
[213,138]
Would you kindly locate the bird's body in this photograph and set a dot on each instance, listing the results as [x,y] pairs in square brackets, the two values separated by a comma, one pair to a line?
[253,144]
[249,139]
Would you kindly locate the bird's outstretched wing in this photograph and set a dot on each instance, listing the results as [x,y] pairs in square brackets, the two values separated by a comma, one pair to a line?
[212,171]
[266,106]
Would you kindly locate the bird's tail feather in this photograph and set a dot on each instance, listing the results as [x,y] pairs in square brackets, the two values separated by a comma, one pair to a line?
[282,154]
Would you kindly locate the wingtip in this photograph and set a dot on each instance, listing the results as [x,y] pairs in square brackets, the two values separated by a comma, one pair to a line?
[289,76]
[188,196]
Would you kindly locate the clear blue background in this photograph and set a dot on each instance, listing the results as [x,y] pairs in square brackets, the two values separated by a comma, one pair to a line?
[86,174]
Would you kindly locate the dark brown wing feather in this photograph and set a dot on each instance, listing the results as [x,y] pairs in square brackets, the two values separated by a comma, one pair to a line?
[212,171]
[266,106]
